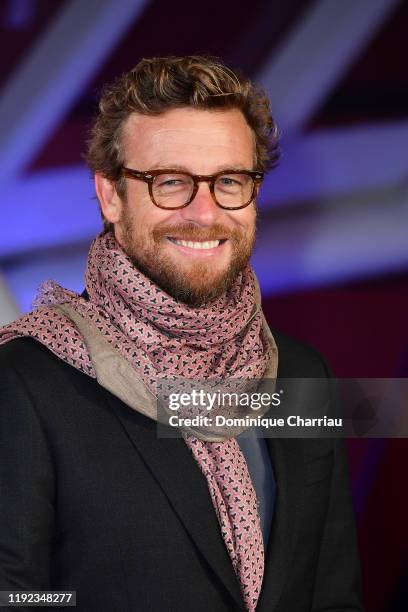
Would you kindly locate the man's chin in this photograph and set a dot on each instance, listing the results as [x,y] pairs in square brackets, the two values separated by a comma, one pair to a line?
[197,286]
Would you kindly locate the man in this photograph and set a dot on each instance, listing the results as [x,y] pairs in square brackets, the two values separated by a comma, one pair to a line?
[92,498]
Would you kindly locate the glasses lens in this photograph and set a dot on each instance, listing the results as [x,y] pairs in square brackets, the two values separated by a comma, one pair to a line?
[172,190]
[233,189]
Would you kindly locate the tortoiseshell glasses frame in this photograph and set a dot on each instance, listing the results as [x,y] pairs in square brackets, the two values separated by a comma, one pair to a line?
[149,176]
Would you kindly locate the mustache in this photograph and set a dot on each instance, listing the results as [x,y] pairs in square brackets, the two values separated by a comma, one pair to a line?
[189,231]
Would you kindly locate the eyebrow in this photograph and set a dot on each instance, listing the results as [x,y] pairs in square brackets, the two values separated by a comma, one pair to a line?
[182,168]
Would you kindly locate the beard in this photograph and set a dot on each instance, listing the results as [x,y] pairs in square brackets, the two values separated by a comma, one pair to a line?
[197,282]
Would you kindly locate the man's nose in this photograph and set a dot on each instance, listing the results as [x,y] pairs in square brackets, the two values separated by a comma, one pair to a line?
[202,210]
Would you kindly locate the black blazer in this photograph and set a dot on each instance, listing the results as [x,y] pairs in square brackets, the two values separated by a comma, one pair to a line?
[92,500]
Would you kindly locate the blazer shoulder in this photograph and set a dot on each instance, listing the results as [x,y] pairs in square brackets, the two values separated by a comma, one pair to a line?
[298,359]
[17,351]
[30,358]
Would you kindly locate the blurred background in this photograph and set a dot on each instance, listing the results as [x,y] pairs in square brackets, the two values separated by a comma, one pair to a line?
[332,254]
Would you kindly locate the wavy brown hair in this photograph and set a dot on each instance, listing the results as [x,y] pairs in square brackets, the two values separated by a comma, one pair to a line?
[160,84]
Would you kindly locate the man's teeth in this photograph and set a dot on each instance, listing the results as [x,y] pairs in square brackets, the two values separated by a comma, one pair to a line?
[210,244]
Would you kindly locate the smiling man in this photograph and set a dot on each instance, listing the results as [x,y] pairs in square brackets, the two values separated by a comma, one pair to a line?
[93,500]
[196,239]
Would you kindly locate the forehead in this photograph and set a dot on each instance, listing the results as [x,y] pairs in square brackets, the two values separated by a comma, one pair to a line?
[190,137]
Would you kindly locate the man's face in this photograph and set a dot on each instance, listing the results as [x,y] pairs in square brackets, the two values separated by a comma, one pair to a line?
[199,142]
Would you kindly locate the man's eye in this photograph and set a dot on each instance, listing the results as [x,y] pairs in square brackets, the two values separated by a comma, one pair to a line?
[227,181]
[171,182]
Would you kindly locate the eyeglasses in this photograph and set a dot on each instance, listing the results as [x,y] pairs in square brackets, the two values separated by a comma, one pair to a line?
[172,189]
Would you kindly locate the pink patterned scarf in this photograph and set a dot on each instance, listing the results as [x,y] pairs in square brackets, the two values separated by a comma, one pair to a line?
[161,337]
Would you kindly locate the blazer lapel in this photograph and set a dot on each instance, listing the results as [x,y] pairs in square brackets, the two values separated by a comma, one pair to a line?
[287,461]
[173,466]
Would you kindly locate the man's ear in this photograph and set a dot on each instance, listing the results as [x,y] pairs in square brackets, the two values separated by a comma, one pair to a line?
[111,204]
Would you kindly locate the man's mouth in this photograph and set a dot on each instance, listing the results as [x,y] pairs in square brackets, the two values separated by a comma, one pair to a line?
[197,244]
